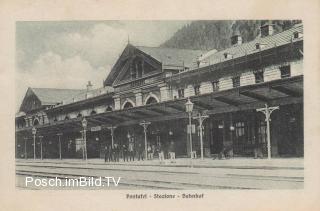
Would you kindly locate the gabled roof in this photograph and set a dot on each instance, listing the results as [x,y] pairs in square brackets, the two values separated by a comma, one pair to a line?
[52,96]
[173,56]
[166,56]
[270,41]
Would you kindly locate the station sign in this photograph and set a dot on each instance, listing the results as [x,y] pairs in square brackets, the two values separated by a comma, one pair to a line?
[96,128]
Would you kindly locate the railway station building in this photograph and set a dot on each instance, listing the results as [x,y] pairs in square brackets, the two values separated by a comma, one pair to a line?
[249,96]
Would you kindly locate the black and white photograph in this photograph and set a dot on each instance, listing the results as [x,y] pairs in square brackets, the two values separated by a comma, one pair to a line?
[155,105]
[159,105]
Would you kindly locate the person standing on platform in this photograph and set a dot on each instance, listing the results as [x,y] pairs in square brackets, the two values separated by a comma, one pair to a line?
[131,151]
[109,153]
[161,153]
[172,153]
[124,152]
[117,150]
[106,155]
[150,153]
[140,152]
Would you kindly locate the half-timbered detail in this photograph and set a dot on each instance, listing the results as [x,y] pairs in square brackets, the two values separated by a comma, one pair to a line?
[237,88]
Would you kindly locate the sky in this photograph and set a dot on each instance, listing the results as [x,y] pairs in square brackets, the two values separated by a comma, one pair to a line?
[69,54]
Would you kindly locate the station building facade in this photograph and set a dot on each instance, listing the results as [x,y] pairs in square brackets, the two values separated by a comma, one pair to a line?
[153,84]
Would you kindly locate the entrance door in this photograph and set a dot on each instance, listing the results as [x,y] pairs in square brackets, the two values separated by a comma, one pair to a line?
[216,142]
[262,136]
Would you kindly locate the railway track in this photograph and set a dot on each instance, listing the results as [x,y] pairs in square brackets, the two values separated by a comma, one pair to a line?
[146,178]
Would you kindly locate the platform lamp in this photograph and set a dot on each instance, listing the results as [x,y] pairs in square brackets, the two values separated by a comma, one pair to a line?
[189,109]
[34,132]
[84,125]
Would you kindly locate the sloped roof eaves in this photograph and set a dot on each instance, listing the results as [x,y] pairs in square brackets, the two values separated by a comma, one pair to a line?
[49,96]
[170,56]
[81,102]
[213,67]
[278,39]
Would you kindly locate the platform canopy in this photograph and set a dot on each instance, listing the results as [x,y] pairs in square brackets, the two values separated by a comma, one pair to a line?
[274,93]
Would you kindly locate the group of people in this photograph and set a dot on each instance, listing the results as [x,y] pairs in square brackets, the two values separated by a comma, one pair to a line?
[128,152]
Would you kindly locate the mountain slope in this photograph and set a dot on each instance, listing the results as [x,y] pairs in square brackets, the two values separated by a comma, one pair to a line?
[215,34]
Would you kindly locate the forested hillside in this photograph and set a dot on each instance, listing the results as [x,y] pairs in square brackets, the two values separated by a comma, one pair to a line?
[216,34]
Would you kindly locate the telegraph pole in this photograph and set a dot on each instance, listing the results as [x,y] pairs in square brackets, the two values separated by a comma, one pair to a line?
[145,125]
[59,135]
[201,118]
[267,111]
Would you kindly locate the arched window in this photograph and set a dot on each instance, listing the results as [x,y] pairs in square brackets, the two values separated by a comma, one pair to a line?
[127,105]
[151,100]
[136,68]
[79,115]
[93,112]
[67,117]
[35,122]
[108,109]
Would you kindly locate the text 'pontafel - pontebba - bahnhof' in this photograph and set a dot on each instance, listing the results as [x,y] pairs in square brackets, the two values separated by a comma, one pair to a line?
[246,100]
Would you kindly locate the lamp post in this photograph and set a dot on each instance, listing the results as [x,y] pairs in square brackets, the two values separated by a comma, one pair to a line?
[59,138]
[84,125]
[34,131]
[25,147]
[40,137]
[189,109]
[145,125]
[112,128]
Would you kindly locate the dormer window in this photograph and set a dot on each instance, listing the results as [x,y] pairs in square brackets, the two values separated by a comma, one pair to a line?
[227,55]
[260,46]
[297,35]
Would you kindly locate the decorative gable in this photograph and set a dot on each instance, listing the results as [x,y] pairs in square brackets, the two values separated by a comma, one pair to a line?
[30,102]
[134,65]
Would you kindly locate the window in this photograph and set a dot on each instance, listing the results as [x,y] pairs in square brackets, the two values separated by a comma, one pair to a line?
[181,93]
[236,81]
[215,85]
[133,72]
[240,129]
[151,100]
[262,132]
[227,55]
[297,35]
[258,77]
[109,108]
[128,105]
[136,68]
[197,90]
[285,71]
[260,45]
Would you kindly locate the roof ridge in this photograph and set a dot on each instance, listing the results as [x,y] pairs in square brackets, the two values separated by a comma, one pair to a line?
[56,88]
[259,39]
[168,48]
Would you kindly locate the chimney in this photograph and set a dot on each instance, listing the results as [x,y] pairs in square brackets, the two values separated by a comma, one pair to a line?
[266,29]
[89,86]
[236,38]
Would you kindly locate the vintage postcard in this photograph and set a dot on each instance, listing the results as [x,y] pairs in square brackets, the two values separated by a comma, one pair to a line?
[153,111]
